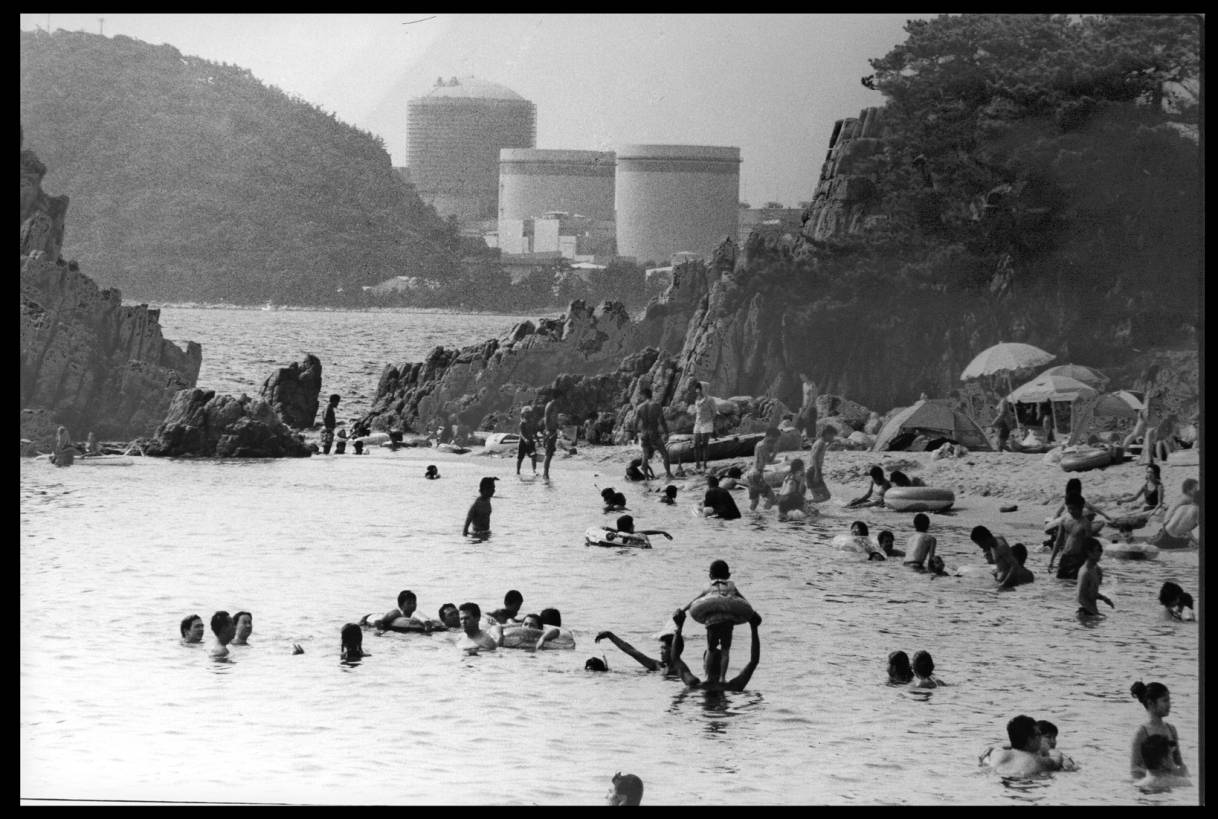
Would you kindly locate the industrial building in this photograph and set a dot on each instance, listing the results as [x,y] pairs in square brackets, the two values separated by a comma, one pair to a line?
[674,198]
[454,135]
[534,181]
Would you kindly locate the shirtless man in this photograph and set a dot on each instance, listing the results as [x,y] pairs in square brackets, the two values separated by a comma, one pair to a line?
[1089,578]
[1075,528]
[192,629]
[550,433]
[650,420]
[816,464]
[662,664]
[1177,532]
[1007,570]
[222,626]
[407,603]
[711,660]
[1023,758]
[527,445]
[475,639]
[763,455]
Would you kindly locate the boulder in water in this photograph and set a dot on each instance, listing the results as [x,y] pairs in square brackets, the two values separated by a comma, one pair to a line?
[201,423]
[292,391]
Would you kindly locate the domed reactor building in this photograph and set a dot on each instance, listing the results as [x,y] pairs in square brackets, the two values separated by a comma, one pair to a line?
[453,138]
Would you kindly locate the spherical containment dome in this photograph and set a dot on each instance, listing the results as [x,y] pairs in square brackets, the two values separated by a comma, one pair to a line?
[472,88]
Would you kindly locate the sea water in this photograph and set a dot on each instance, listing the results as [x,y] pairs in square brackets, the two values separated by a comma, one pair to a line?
[114,707]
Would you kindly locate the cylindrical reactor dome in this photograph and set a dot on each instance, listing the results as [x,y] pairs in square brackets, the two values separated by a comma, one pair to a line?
[454,135]
[673,198]
[535,181]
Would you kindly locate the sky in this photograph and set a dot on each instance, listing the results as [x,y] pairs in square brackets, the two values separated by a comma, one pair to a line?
[771,84]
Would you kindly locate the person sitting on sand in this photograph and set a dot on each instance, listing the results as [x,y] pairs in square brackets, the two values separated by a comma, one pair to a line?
[718,502]
[1156,699]
[887,540]
[479,516]
[669,495]
[474,639]
[224,630]
[627,790]
[661,664]
[634,472]
[512,601]
[878,482]
[924,671]
[712,660]
[1160,773]
[1090,576]
[1152,493]
[1057,761]
[1187,489]
[1073,530]
[352,637]
[920,545]
[1022,758]
[1177,531]
[192,629]
[614,501]
[1177,603]
[899,670]
[432,473]
[792,497]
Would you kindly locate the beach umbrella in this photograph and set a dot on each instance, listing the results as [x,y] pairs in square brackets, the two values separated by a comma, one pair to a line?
[1051,388]
[1119,404]
[1005,358]
[1088,375]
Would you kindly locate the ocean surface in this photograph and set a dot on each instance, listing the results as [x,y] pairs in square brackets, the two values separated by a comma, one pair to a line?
[114,707]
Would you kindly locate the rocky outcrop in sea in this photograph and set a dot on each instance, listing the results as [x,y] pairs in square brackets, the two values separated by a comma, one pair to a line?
[87,361]
[292,391]
[203,424]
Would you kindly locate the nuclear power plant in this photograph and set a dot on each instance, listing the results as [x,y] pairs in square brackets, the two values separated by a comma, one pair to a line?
[675,198]
[454,135]
[534,181]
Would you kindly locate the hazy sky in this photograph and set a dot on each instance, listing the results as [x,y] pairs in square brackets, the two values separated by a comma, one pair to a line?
[773,85]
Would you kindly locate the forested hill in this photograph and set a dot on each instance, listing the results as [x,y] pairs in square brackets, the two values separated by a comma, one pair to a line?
[193,181]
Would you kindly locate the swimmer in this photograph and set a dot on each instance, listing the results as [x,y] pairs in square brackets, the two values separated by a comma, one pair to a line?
[1048,747]
[449,616]
[763,455]
[899,671]
[712,660]
[920,545]
[887,540]
[475,639]
[192,629]
[816,459]
[551,625]
[1156,699]
[923,669]
[432,473]
[479,515]
[625,525]
[719,501]
[627,790]
[1177,603]
[732,478]
[719,625]
[670,495]
[407,603]
[1160,773]
[1089,579]
[352,643]
[634,471]
[614,501]
[793,494]
[224,630]
[1023,757]
[859,531]
[243,622]
[662,664]
[595,664]
[878,482]
[523,634]
[512,601]
[1072,533]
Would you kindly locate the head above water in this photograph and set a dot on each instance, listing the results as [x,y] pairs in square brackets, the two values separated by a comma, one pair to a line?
[352,637]
[898,667]
[923,665]
[431,471]
[607,494]
[712,481]
[921,522]
[1047,730]
[192,628]
[449,615]
[858,529]
[551,617]
[595,664]
[486,486]
[1020,553]
[222,626]
[886,537]
[1169,595]
[1021,731]
[625,524]
[406,596]
[243,624]
[670,491]
[627,790]
[719,570]
[531,621]
[334,399]
[1150,694]
[469,614]
[513,600]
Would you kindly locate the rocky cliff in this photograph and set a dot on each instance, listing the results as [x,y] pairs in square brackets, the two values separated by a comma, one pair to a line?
[87,361]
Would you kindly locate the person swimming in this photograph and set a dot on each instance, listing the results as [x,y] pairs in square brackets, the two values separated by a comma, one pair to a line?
[1156,699]
[352,637]
[625,525]
[860,533]
[474,639]
[920,545]
[923,669]
[243,626]
[899,670]
[1022,758]
[614,501]
[432,473]
[1177,603]
[627,790]
[670,495]
[192,629]
[887,540]
[1048,747]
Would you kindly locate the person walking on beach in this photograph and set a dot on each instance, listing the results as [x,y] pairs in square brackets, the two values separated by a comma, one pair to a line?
[328,423]
[550,423]
[650,420]
[816,461]
[479,516]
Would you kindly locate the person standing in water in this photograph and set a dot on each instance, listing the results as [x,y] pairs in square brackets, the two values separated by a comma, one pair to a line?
[652,431]
[704,424]
[550,424]
[816,461]
[1156,699]
[64,453]
[479,516]
[527,445]
[328,423]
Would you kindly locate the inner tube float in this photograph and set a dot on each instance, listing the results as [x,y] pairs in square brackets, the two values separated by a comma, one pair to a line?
[600,536]
[918,499]
[855,544]
[1084,459]
[718,608]
[402,625]
[515,636]
[1129,551]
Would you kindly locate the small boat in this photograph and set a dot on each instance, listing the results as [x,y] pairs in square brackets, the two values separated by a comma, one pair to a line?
[730,446]
[502,442]
[1085,459]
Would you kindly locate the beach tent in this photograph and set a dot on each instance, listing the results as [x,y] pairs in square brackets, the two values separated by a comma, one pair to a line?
[934,417]
[1071,401]
[1119,404]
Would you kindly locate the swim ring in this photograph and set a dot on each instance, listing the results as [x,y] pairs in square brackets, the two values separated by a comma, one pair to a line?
[918,499]
[402,625]
[600,536]
[1085,459]
[854,544]
[717,608]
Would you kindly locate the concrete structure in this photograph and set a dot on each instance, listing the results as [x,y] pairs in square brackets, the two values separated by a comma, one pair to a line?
[673,198]
[769,222]
[567,234]
[454,135]
[534,181]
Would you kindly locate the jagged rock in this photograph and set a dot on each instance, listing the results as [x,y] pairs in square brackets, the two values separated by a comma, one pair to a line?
[201,423]
[292,391]
[853,414]
[846,198]
[89,362]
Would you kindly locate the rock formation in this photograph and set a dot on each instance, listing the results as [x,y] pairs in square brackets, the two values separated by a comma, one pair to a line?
[87,361]
[845,196]
[292,391]
[201,423]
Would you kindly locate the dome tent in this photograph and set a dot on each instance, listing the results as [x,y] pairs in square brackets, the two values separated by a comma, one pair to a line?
[936,417]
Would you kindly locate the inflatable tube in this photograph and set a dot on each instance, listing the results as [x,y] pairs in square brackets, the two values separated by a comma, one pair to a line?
[1129,551]
[374,439]
[402,625]
[525,637]
[977,572]
[855,544]
[717,608]
[919,499]
[600,536]
[1085,459]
